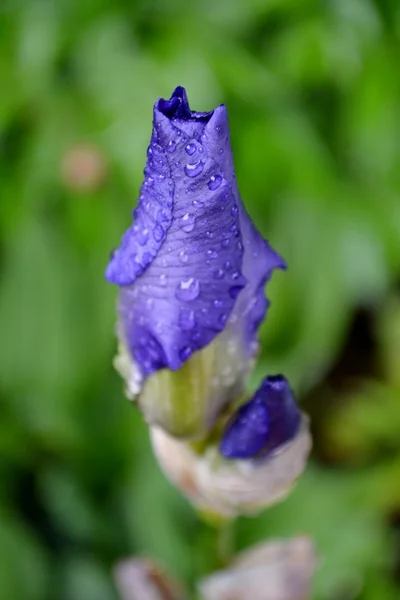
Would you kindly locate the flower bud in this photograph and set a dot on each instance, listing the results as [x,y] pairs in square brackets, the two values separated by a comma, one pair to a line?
[278,570]
[191,272]
[258,469]
[139,579]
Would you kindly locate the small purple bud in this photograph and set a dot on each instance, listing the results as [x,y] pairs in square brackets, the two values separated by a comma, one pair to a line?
[268,421]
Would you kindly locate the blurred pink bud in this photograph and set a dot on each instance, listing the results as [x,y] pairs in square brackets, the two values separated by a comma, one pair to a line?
[140,579]
[83,168]
[278,570]
[232,487]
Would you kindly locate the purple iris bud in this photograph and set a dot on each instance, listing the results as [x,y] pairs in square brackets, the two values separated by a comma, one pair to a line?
[267,422]
[193,261]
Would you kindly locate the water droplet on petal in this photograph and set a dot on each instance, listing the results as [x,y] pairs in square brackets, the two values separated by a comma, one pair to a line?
[163,280]
[158,233]
[234,210]
[188,289]
[162,216]
[187,223]
[146,259]
[225,243]
[197,203]
[186,319]
[193,170]
[235,274]
[185,353]
[183,257]
[233,228]
[222,319]
[143,236]
[161,177]
[171,146]
[209,234]
[218,303]
[212,254]
[219,274]
[190,148]
[215,182]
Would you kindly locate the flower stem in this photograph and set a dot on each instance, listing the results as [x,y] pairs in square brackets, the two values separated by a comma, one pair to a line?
[225,543]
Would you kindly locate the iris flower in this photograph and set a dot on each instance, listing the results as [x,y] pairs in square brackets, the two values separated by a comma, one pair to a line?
[191,272]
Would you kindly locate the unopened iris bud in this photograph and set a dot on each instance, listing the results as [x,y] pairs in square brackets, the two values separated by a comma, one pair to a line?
[277,570]
[263,451]
[191,272]
[141,579]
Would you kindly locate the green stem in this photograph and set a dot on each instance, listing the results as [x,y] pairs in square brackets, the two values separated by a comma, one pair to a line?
[225,543]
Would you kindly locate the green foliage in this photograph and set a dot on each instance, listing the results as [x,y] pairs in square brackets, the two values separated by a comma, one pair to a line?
[313,91]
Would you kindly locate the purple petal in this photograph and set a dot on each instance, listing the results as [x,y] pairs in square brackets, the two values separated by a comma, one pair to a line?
[268,421]
[193,258]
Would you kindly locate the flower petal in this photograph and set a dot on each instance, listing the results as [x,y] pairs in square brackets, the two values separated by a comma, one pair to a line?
[269,421]
[193,257]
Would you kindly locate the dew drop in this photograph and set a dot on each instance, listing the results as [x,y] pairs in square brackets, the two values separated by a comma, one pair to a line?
[212,254]
[143,236]
[219,274]
[225,242]
[186,319]
[149,303]
[162,216]
[188,289]
[235,275]
[190,149]
[187,223]
[222,319]
[233,228]
[215,182]
[158,233]
[196,336]
[218,303]
[146,259]
[161,177]
[193,170]
[183,257]
[185,353]
[209,234]
[198,203]
[171,146]
[163,280]
[234,210]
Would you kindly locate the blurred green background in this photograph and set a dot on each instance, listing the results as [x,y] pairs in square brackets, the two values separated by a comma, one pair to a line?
[313,93]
